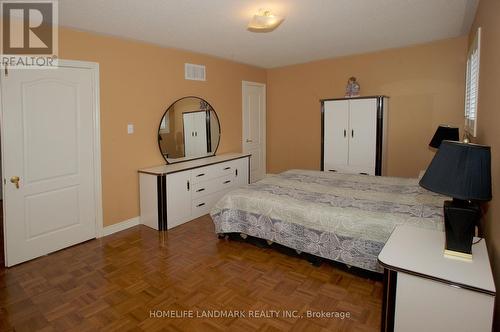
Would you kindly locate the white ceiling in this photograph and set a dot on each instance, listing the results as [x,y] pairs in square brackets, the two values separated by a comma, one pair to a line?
[313,29]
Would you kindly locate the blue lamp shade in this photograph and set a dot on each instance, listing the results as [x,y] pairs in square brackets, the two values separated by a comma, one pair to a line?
[460,170]
[444,133]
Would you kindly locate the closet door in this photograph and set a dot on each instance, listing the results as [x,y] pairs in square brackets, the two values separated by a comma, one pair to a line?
[362,135]
[336,141]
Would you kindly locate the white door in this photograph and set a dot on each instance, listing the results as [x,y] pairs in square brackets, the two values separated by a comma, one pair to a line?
[363,135]
[254,127]
[51,160]
[336,139]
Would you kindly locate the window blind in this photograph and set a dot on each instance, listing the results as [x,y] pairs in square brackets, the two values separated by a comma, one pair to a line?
[472,85]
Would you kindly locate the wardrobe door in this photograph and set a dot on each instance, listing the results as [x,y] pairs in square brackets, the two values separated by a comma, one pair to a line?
[190,149]
[200,130]
[362,135]
[336,142]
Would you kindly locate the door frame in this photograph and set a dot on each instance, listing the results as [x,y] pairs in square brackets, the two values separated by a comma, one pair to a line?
[96,145]
[264,121]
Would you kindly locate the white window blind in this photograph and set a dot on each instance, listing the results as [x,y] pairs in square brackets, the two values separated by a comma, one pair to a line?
[472,85]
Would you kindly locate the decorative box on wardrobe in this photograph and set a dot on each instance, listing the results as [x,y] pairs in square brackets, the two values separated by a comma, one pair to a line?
[353,134]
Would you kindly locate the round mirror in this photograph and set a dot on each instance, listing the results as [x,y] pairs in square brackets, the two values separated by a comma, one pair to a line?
[189,129]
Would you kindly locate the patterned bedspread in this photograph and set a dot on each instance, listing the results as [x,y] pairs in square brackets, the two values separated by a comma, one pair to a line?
[342,217]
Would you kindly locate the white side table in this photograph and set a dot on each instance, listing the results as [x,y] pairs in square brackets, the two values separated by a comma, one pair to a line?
[425,291]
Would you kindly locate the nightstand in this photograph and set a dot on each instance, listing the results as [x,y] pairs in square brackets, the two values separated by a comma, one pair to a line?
[425,291]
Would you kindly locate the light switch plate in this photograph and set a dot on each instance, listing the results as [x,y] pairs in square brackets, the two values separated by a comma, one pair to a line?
[130,128]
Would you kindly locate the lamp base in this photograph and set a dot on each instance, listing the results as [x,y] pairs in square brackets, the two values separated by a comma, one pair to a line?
[460,219]
[457,255]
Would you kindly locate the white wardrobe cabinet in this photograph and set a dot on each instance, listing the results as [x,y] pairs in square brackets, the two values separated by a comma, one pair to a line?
[195,133]
[353,135]
[173,194]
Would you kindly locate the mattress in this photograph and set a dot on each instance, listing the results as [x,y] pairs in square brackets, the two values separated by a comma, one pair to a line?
[341,217]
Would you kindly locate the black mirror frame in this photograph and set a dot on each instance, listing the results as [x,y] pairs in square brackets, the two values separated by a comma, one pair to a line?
[165,113]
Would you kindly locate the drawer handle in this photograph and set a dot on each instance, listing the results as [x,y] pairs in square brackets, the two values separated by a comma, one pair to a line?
[200,205]
[332,170]
[200,190]
[202,174]
[226,168]
[363,173]
[188,186]
[226,182]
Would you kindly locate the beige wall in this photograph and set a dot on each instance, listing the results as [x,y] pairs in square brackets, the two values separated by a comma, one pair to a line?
[138,82]
[425,84]
[488,123]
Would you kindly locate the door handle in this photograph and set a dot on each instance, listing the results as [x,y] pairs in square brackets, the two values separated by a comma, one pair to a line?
[15,181]
[352,133]
[345,133]
[249,140]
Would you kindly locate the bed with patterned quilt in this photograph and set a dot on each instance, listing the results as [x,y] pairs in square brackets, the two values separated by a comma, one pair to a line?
[342,217]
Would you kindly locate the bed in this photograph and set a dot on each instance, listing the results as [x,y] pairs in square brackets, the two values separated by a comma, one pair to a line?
[342,217]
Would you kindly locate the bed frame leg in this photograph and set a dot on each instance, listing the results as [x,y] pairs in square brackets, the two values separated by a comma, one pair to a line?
[243,236]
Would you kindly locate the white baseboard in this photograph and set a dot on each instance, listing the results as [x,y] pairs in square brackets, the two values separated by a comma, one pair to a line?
[121,226]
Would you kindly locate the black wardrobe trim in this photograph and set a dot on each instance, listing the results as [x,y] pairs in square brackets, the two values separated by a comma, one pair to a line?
[349,98]
[380,138]
[322,168]
[209,132]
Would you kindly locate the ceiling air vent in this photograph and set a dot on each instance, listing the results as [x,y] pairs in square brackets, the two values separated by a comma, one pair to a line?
[194,72]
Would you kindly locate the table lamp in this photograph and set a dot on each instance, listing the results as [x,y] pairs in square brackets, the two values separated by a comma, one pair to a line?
[444,133]
[461,171]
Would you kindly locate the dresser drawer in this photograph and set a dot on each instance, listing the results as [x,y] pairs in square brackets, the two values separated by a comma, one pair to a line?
[211,172]
[211,186]
[203,205]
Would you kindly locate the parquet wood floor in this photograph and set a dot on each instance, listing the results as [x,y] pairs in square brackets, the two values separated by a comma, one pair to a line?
[115,283]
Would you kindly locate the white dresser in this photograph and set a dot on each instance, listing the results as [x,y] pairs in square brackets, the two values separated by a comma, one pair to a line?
[425,291]
[354,136]
[171,195]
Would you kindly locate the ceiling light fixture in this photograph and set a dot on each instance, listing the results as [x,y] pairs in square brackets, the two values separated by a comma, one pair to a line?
[264,21]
